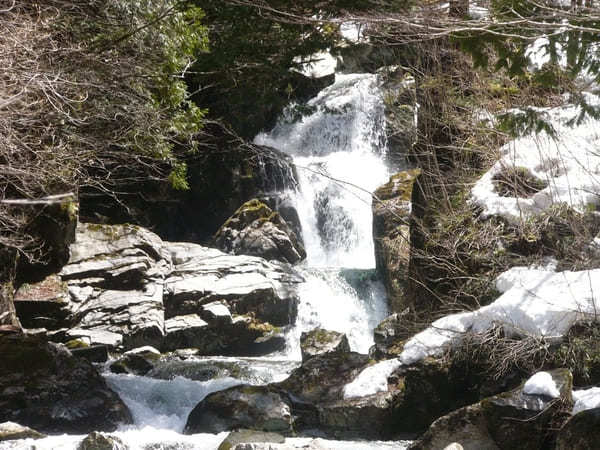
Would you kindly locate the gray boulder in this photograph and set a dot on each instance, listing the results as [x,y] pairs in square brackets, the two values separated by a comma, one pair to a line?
[261,408]
[248,284]
[319,341]
[256,230]
[47,388]
[513,419]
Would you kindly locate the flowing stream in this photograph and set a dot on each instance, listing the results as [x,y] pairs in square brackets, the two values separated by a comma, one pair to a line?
[338,144]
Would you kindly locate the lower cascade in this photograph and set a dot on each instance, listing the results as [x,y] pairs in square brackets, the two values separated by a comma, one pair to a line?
[338,146]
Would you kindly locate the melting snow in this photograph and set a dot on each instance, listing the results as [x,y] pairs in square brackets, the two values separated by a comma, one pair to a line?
[371,380]
[541,383]
[586,399]
[535,302]
[569,164]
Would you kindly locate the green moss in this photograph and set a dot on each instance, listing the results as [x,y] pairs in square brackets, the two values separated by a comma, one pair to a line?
[76,343]
[399,186]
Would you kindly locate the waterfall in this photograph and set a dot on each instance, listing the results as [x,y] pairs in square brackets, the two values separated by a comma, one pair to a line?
[338,144]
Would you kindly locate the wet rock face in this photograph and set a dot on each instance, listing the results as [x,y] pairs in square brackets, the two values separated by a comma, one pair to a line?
[50,390]
[257,230]
[391,234]
[257,407]
[319,341]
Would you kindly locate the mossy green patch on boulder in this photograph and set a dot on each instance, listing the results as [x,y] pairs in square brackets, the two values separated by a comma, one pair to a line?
[256,230]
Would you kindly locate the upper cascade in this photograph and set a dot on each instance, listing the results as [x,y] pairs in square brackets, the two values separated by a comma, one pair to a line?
[338,143]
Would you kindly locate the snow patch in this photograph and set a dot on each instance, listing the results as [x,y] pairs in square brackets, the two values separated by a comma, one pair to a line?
[371,380]
[569,165]
[586,399]
[535,302]
[541,383]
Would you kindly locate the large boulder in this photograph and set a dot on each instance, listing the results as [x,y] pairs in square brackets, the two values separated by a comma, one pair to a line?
[261,408]
[580,432]
[521,418]
[319,341]
[115,280]
[248,285]
[256,230]
[391,234]
[50,390]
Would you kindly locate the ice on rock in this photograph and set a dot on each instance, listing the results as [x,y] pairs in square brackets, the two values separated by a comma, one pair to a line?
[586,399]
[541,383]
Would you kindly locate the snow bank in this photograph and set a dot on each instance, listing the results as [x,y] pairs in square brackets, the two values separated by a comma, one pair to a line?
[371,380]
[586,399]
[541,383]
[570,165]
[535,302]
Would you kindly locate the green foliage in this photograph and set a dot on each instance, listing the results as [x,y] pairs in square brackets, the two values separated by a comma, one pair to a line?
[570,46]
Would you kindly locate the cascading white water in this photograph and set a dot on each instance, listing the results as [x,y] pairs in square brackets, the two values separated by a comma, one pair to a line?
[338,144]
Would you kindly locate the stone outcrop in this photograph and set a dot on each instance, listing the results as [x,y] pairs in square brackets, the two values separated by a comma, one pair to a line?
[247,284]
[261,408]
[257,230]
[513,419]
[125,288]
[44,304]
[319,341]
[50,390]
[391,234]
